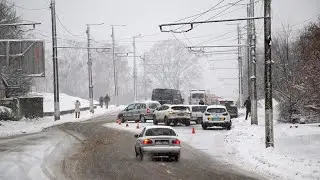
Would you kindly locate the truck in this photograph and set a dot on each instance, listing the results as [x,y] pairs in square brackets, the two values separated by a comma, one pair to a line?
[167,96]
[231,107]
[196,96]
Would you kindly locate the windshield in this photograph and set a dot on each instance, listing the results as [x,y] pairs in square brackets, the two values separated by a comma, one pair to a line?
[198,95]
[180,108]
[160,132]
[154,105]
[216,110]
[199,108]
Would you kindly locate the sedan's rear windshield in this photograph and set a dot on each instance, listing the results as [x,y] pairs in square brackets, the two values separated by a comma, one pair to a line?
[199,108]
[160,132]
[154,105]
[216,110]
[180,108]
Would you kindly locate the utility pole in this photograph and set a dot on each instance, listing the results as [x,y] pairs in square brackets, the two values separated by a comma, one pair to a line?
[134,70]
[90,71]
[248,51]
[55,62]
[114,69]
[239,65]
[144,77]
[254,110]
[268,75]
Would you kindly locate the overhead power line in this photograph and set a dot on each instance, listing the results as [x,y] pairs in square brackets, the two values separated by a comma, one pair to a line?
[29,9]
[65,28]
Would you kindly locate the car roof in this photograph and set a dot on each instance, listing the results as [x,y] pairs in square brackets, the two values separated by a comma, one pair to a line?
[159,126]
[171,105]
[147,101]
[217,106]
[197,105]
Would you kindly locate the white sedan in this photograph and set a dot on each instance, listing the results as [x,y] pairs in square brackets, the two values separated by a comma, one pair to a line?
[216,115]
[158,141]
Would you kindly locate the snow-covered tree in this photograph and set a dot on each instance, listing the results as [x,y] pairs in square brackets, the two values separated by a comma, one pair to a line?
[170,65]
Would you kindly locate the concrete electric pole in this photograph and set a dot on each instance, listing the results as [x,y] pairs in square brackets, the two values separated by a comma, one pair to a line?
[254,110]
[268,75]
[248,51]
[55,62]
[90,71]
[114,69]
[239,66]
[134,68]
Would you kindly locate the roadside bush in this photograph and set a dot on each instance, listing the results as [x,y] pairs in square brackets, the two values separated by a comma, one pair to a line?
[6,113]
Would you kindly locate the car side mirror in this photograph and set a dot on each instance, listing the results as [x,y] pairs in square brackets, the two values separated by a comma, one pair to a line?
[136,135]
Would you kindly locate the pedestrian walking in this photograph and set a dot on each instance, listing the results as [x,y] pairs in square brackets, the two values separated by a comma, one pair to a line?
[77,105]
[101,99]
[201,102]
[247,104]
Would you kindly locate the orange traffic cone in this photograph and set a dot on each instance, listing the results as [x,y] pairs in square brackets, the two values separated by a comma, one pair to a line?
[138,125]
[127,125]
[193,131]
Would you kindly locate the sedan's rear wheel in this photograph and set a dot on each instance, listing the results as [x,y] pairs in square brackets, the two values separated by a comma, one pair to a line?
[204,126]
[175,122]
[141,155]
[187,123]
[176,157]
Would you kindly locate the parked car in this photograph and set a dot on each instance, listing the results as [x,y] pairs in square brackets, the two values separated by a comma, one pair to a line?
[139,111]
[175,114]
[157,141]
[231,107]
[216,115]
[197,113]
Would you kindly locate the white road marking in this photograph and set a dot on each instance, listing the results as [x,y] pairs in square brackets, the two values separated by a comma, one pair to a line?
[168,172]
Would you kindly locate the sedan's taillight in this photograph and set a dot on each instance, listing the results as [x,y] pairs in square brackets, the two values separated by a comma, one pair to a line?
[176,141]
[147,141]
[148,111]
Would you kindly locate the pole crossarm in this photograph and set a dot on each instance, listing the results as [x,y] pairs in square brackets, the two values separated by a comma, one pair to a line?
[21,24]
[73,47]
[203,22]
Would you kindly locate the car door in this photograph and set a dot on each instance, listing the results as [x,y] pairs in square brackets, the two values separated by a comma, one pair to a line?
[128,113]
[157,112]
[163,111]
[136,111]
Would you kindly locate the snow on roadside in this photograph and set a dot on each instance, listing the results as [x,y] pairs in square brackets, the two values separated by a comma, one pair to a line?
[27,126]
[66,101]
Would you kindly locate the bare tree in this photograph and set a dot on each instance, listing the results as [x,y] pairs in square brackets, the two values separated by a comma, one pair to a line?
[170,65]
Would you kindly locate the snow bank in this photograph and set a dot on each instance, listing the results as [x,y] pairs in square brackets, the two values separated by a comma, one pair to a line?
[66,101]
[26,126]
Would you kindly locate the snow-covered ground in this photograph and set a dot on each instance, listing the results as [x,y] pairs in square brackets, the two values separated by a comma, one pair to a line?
[66,101]
[296,154]
[26,126]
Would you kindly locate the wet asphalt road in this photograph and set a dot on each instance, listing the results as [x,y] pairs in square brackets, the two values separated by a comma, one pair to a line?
[92,151]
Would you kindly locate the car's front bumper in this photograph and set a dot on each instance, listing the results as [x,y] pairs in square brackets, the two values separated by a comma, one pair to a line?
[161,149]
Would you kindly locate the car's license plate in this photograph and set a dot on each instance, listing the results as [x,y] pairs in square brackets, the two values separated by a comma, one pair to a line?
[216,118]
[180,114]
[162,142]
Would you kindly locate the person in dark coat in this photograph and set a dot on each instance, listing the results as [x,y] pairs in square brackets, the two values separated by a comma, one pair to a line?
[101,101]
[247,104]
[201,102]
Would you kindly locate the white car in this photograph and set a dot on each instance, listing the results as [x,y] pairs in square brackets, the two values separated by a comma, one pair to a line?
[157,141]
[175,114]
[216,115]
[197,112]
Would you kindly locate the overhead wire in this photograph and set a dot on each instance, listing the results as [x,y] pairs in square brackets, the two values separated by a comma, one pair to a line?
[65,28]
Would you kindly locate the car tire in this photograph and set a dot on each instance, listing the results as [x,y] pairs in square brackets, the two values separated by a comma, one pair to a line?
[166,121]
[123,120]
[176,157]
[140,155]
[204,126]
[187,123]
[155,122]
[142,119]
[228,127]
[135,150]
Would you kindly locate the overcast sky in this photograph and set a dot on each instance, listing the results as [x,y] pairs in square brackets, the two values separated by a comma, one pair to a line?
[144,16]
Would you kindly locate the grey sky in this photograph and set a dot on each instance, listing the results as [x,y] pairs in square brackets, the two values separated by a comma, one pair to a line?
[144,16]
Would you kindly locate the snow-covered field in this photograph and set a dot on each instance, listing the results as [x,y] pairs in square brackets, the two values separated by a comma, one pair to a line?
[26,126]
[66,101]
[296,154]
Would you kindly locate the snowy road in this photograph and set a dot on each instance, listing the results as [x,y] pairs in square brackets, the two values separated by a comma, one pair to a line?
[88,150]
